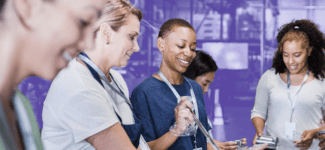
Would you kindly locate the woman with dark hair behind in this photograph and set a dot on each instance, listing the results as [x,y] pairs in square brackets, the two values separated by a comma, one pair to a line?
[202,70]
[290,96]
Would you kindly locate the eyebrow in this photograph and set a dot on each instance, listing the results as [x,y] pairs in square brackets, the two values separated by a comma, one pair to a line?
[294,52]
[186,41]
[208,81]
[99,12]
[136,33]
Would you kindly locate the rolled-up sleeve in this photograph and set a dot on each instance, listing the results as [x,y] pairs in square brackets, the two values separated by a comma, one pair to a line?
[261,98]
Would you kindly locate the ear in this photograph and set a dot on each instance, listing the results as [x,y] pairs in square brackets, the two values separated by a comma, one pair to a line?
[161,44]
[26,9]
[309,50]
[105,32]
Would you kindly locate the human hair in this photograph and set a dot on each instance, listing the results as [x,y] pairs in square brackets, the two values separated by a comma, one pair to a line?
[171,24]
[2,7]
[115,13]
[309,35]
[203,63]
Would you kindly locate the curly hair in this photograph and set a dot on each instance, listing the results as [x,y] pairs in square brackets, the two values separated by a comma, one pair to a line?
[203,63]
[309,35]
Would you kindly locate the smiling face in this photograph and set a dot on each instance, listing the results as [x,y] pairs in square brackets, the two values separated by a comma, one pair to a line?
[178,49]
[62,27]
[205,80]
[124,41]
[295,57]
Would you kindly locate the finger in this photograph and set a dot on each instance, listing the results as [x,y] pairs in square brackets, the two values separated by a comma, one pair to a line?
[306,144]
[185,104]
[300,145]
[254,140]
[231,147]
[321,144]
[260,134]
[230,143]
[186,115]
[304,134]
[262,147]
[244,141]
[183,98]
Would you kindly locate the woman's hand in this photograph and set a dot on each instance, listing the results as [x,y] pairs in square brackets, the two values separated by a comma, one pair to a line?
[307,139]
[183,116]
[226,145]
[257,135]
[262,147]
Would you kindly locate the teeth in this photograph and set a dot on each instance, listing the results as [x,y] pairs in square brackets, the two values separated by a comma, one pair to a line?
[66,56]
[129,54]
[185,62]
[293,67]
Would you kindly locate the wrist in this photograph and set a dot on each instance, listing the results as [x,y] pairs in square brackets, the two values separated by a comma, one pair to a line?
[259,132]
[315,131]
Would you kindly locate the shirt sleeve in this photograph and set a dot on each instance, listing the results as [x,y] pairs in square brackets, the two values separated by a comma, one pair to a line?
[261,98]
[139,102]
[87,113]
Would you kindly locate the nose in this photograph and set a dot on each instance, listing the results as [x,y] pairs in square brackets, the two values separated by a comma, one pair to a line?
[87,40]
[136,46]
[206,89]
[291,60]
[187,51]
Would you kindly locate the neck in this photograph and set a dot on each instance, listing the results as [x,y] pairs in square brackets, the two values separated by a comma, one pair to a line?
[172,76]
[12,72]
[102,63]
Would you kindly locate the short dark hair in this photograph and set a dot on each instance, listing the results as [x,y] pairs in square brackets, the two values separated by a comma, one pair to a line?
[170,25]
[203,63]
[308,33]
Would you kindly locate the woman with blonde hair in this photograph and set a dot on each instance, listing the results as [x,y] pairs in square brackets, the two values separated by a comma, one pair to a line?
[87,106]
[33,42]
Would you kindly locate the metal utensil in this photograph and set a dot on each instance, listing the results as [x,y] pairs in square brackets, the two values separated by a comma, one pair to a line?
[205,132]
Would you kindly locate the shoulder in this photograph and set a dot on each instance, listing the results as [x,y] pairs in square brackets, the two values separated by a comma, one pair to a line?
[194,84]
[269,74]
[150,83]
[71,81]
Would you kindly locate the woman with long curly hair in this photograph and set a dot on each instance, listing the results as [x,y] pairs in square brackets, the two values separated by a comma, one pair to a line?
[290,96]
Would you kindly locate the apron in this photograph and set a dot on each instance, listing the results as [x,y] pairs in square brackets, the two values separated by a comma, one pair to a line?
[133,131]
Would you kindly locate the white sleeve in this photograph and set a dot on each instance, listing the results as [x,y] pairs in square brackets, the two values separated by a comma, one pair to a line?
[261,97]
[87,113]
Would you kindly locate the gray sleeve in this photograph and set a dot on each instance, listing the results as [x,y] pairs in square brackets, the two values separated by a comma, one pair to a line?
[261,97]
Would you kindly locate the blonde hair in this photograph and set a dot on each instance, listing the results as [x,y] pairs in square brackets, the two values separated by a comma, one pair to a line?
[115,13]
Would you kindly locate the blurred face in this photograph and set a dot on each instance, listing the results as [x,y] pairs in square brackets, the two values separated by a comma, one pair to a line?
[295,57]
[124,41]
[63,27]
[205,80]
[179,49]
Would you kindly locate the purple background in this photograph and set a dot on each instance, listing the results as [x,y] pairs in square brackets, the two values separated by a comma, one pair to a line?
[240,49]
